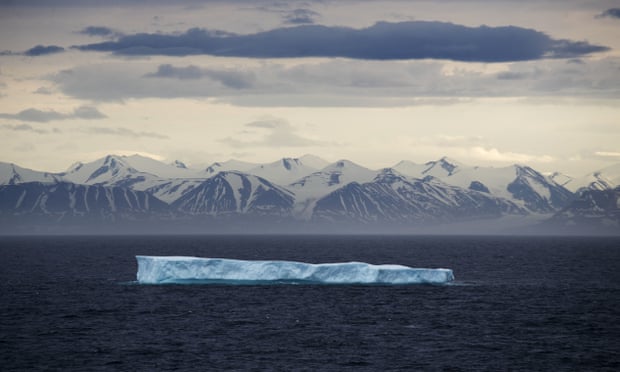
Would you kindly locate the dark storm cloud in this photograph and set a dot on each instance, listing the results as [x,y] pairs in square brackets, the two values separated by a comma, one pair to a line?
[383,41]
[301,16]
[229,78]
[41,116]
[41,50]
[610,13]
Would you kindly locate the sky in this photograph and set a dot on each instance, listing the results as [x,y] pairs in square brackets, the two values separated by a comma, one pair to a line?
[488,83]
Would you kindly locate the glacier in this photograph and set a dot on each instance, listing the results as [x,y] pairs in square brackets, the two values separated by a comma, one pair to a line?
[184,269]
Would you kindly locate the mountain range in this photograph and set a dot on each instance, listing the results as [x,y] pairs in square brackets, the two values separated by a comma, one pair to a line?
[306,194]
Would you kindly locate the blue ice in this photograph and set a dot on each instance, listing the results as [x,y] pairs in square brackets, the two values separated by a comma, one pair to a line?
[180,269]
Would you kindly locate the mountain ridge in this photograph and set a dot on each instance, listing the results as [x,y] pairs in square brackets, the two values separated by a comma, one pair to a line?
[407,195]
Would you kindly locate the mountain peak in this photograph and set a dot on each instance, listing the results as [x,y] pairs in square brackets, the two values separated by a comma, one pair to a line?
[389,175]
[313,161]
[405,163]
[343,163]
[74,167]
[231,164]
[289,163]
[179,164]
[447,161]
[446,164]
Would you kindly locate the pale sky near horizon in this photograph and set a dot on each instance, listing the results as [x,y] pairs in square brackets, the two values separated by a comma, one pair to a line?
[378,82]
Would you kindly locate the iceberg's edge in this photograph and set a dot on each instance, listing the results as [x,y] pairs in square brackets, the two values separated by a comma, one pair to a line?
[196,270]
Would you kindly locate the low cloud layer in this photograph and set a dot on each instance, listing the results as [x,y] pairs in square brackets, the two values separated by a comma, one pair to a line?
[340,82]
[610,13]
[41,50]
[382,41]
[100,31]
[42,116]
[272,132]
[123,132]
[301,16]
[229,78]
[22,128]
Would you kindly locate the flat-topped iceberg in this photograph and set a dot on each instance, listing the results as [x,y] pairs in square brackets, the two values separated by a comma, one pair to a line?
[179,269]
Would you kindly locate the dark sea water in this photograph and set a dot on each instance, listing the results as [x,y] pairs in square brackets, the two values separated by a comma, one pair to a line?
[70,303]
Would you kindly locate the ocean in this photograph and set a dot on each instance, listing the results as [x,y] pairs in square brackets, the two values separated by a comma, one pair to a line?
[518,303]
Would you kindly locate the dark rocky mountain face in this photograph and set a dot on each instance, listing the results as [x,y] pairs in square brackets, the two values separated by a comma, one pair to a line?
[235,192]
[67,201]
[590,211]
[538,194]
[478,186]
[392,197]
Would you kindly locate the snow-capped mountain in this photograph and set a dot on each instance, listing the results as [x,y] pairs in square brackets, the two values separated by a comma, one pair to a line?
[11,174]
[291,190]
[313,161]
[179,164]
[603,179]
[591,211]
[236,192]
[521,184]
[441,168]
[229,165]
[138,173]
[176,169]
[536,192]
[111,170]
[126,170]
[318,184]
[283,171]
[65,200]
[169,190]
[392,197]
[560,178]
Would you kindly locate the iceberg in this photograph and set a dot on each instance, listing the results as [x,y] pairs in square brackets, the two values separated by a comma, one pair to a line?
[181,269]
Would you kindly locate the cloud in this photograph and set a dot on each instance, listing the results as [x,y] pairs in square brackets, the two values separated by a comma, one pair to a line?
[511,75]
[301,16]
[35,115]
[341,83]
[449,141]
[275,133]
[382,41]
[101,31]
[22,128]
[608,154]
[86,112]
[182,73]
[495,155]
[271,123]
[41,50]
[43,90]
[40,116]
[122,132]
[230,78]
[610,13]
